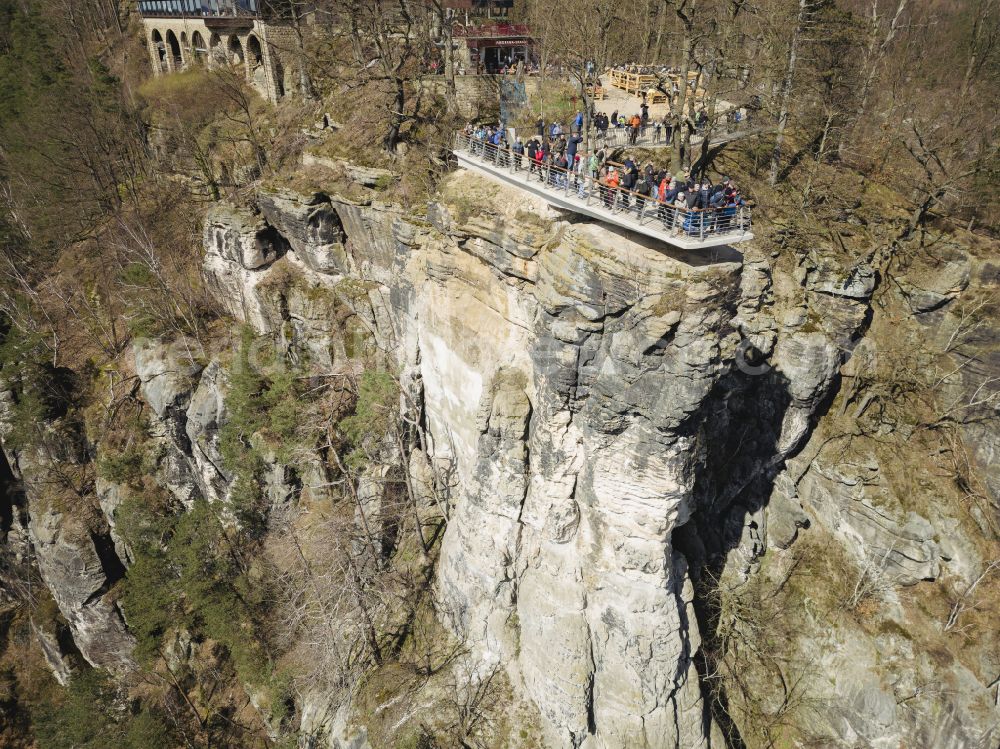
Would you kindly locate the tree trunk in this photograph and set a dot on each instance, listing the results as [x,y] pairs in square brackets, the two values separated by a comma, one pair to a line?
[451,93]
[658,49]
[677,114]
[398,106]
[305,82]
[786,91]
[873,56]
[827,123]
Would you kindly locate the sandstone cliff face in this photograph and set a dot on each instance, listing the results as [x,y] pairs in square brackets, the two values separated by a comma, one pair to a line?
[623,424]
[602,405]
[74,554]
[562,369]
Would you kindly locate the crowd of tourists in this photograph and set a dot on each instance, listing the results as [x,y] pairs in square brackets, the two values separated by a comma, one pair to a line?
[683,203]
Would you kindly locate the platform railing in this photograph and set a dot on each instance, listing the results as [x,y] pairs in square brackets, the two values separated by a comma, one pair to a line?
[727,224]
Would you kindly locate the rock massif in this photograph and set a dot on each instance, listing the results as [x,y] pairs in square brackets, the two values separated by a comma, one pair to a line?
[601,400]
[619,419]
[562,370]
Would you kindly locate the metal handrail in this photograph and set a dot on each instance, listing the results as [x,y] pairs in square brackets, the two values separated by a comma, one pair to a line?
[647,209]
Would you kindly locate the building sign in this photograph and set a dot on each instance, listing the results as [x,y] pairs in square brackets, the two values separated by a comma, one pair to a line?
[490,30]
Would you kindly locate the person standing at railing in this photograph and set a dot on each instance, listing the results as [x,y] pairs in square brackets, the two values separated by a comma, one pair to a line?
[702,121]
[661,196]
[642,189]
[601,121]
[580,176]
[594,164]
[629,178]
[717,209]
[635,124]
[691,191]
[572,145]
[673,189]
[702,204]
[518,150]
[704,196]
[693,219]
[531,150]
[559,145]
[561,170]
[680,212]
[611,182]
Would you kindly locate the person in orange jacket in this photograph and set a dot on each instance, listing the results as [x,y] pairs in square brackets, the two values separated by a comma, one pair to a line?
[613,180]
[635,123]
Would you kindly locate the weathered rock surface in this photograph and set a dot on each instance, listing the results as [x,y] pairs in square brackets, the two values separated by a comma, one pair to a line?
[569,421]
[618,419]
[78,569]
[312,228]
[614,415]
[856,503]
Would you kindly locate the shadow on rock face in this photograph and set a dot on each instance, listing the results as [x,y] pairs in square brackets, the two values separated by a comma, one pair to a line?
[742,428]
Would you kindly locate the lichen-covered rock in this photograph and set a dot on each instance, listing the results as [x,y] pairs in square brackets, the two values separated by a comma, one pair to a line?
[932,288]
[241,238]
[205,415]
[167,372]
[78,568]
[57,661]
[312,228]
[858,505]
[857,282]
[110,497]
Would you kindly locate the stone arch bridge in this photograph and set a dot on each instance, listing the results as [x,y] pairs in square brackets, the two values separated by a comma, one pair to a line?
[263,50]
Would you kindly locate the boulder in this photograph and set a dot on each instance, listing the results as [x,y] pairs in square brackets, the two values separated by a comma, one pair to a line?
[79,568]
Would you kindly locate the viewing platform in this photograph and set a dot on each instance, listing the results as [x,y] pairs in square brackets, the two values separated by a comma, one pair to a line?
[689,229]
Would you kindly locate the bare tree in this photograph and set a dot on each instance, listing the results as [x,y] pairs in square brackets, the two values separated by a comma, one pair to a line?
[966,600]
[784,97]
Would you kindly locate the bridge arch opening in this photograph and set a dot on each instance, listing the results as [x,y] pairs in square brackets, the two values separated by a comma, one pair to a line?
[198,48]
[175,50]
[258,75]
[216,50]
[235,51]
[254,48]
[161,51]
